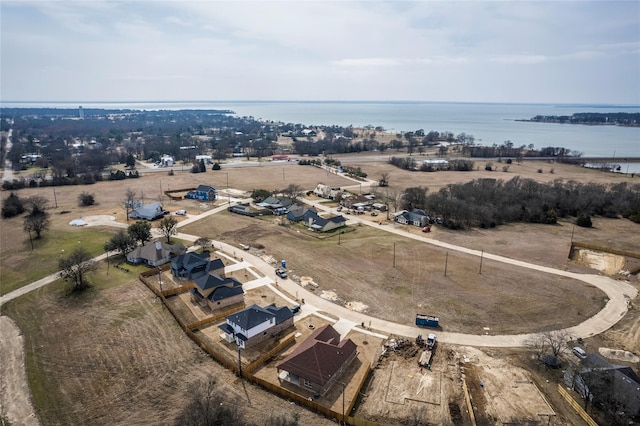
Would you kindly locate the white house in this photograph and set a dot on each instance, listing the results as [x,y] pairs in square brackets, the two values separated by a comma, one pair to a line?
[255,324]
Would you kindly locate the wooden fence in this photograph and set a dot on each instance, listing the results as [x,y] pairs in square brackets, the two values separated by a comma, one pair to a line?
[246,372]
[177,290]
[586,417]
[215,317]
[266,356]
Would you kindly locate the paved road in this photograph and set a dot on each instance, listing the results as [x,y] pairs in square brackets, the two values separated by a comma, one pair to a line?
[619,293]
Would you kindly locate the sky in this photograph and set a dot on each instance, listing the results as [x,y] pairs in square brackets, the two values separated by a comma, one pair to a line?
[459,51]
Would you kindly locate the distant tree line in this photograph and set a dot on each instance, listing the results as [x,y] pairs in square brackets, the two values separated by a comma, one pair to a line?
[601,118]
[490,202]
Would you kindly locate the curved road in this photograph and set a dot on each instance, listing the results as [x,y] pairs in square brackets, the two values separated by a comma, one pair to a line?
[619,293]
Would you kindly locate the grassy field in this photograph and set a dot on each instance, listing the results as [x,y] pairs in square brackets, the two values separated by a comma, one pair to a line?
[21,265]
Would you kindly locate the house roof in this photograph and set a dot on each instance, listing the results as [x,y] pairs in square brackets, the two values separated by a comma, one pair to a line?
[320,356]
[190,260]
[205,281]
[274,202]
[318,222]
[205,188]
[415,214]
[254,315]
[150,251]
[297,212]
[231,287]
[147,211]
[215,265]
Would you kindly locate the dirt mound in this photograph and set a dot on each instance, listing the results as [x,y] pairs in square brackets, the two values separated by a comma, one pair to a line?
[619,355]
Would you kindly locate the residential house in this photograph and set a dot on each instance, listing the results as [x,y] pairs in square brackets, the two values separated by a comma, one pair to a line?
[203,193]
[326,191]
[254,324]
[275,204]
[242,209]
[320,224]
[309,132]
[317,363]
[608,385]
[189,264]
[415,217]
[359,202]
[155,253]
[296,213]
[215,292]
[149,211]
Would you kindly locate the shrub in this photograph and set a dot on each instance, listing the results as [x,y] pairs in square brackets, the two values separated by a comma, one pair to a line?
[12,206]
[584,220]
[216,166]
[86,199]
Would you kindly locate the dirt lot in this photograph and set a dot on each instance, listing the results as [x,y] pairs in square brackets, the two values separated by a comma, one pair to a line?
[116,356]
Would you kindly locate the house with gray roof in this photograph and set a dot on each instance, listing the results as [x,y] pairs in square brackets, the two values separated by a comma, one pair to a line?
[607,385]
[296,213]
[149,211]
[155,253]
[320,224]
[215,292]
[189,264]
[317,363]
[415,217]
[254,324]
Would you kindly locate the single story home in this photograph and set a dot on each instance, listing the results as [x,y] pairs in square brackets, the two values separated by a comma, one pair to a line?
[155,253]
[415,217]
[203,193]
[296,213]
[149,211]
[254,324]
[317,363]
[275,203]
[242,209]
[320,224]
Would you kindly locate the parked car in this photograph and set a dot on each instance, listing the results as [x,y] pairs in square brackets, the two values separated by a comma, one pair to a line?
[339,209]
[374,214]
[181,212]
[295,309]
[281,273]
[426,229]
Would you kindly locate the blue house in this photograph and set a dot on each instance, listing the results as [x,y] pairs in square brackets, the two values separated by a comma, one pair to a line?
[203,193]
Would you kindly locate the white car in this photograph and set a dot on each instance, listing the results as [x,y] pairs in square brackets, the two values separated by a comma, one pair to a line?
[181,212]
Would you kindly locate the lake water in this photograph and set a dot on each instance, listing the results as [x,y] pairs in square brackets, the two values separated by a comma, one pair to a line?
[489,123]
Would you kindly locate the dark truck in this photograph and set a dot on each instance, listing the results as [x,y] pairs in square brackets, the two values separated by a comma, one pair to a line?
[427,320]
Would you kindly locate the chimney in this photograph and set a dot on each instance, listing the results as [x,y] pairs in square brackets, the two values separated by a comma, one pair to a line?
[158,245]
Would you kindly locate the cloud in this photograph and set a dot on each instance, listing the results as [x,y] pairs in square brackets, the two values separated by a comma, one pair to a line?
[319,49]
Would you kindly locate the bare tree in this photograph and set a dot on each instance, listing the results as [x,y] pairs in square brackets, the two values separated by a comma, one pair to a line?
[538,345]
[168,227]
[384,179]
[76,267]
[293,191]
[37,219]
[556,341]
[391,198]
[204,242]
[130,201]
[208,407]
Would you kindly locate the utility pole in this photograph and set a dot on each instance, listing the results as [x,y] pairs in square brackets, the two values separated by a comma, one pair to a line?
[446,261]
[481,256]
[239,363]
[55,199]
[394,254]
[30,239]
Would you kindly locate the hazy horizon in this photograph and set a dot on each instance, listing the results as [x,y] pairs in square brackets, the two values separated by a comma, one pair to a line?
[540,52]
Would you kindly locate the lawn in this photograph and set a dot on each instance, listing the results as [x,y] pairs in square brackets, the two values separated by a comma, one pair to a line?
[21,265]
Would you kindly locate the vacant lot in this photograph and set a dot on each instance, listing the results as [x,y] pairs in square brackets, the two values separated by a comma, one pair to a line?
[362,270]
